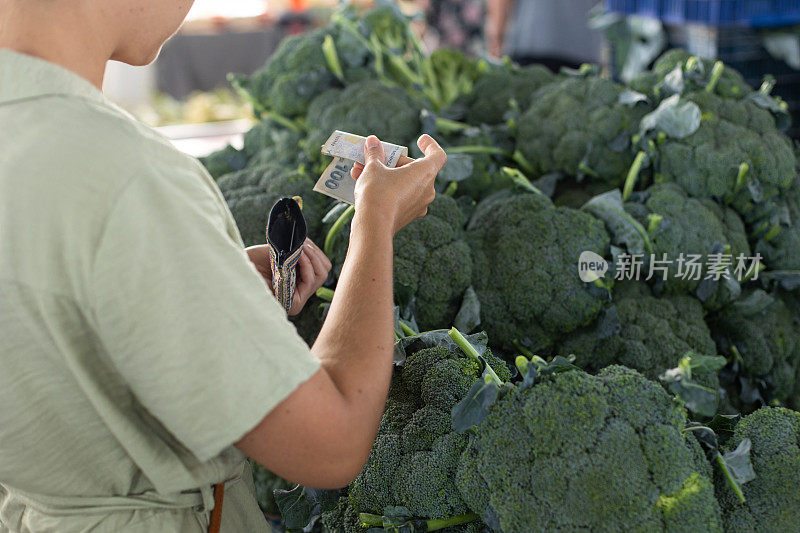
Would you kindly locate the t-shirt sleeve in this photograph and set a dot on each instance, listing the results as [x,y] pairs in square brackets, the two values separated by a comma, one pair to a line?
[186,318]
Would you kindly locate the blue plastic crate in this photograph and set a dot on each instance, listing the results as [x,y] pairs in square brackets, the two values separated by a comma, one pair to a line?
[755,13]
[645,8]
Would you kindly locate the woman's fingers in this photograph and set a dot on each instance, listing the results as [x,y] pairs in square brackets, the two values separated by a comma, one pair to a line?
[356,171]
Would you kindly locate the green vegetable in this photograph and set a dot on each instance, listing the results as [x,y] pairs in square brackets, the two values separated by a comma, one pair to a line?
[251,193]
[772,499]
[582,452]
[578,126]
[525,254]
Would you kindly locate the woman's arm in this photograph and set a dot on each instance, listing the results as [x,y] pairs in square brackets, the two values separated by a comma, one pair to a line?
[322,433]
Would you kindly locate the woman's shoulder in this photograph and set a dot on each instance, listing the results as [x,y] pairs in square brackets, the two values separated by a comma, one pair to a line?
[94,144]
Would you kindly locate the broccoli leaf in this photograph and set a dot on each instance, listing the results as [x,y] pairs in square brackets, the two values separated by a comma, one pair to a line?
[739,464]
[625,230]
[469,315]
[675,118]
[474,407]
[297,509]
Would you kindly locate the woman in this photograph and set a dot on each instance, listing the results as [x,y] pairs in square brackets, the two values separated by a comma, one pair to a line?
[143,357]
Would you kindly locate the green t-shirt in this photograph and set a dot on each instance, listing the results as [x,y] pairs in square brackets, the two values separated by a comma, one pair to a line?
[137,341]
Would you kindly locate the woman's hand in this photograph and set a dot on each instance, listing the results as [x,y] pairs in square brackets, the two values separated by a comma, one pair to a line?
[398,195]
[312,271]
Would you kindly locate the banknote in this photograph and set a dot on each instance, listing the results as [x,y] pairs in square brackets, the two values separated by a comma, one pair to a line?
[347,149]
[336,181]
[350,146]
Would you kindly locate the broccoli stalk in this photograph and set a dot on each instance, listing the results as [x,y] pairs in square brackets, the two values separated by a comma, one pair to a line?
[633,175]
[332,58]
[716,73]
[330,238]
[469,349]
[523,163]
[451,189]
[373,520]
[446,125]
[744,168]
[324,293]
[519,179]
[479,149]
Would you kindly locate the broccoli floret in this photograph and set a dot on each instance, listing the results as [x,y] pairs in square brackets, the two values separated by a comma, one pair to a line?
[773,497]
[696,76]
[390,114]
[578,127]
[343,518]
[583,452]
[251,193]
[265,483]
[762,336]
[372,489]
[224,161]
[679,225]
[643,332]
[493,92]
[525,253]
[736,155]
[425,479]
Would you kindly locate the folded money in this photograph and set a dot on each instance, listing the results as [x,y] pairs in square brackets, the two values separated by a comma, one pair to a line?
[347,149]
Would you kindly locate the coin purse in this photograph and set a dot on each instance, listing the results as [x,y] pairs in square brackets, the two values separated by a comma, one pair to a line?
[286,233]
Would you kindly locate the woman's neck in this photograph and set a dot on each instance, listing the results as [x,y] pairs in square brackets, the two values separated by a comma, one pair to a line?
[39,30]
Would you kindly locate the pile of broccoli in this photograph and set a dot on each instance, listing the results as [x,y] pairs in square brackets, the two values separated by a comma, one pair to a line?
[632,424]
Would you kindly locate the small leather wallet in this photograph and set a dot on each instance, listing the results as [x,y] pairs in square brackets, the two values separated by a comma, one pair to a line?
[286,234]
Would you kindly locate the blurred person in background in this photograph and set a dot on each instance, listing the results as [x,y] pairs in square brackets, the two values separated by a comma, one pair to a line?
[457,24]
[551,32]
[142,355]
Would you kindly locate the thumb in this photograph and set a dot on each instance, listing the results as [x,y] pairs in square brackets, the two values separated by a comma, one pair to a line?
[373,151]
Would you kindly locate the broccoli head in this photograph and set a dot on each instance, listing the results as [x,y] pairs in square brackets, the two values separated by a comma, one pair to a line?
[579,127]
[525,253]
[364,108]
[696,73]
[679,225]
[251,193]
[762,337]
[294,75]
[643,332]
[493,92]
[736,156]
[582,452]
[432,264]
[773,497]
[414,459]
